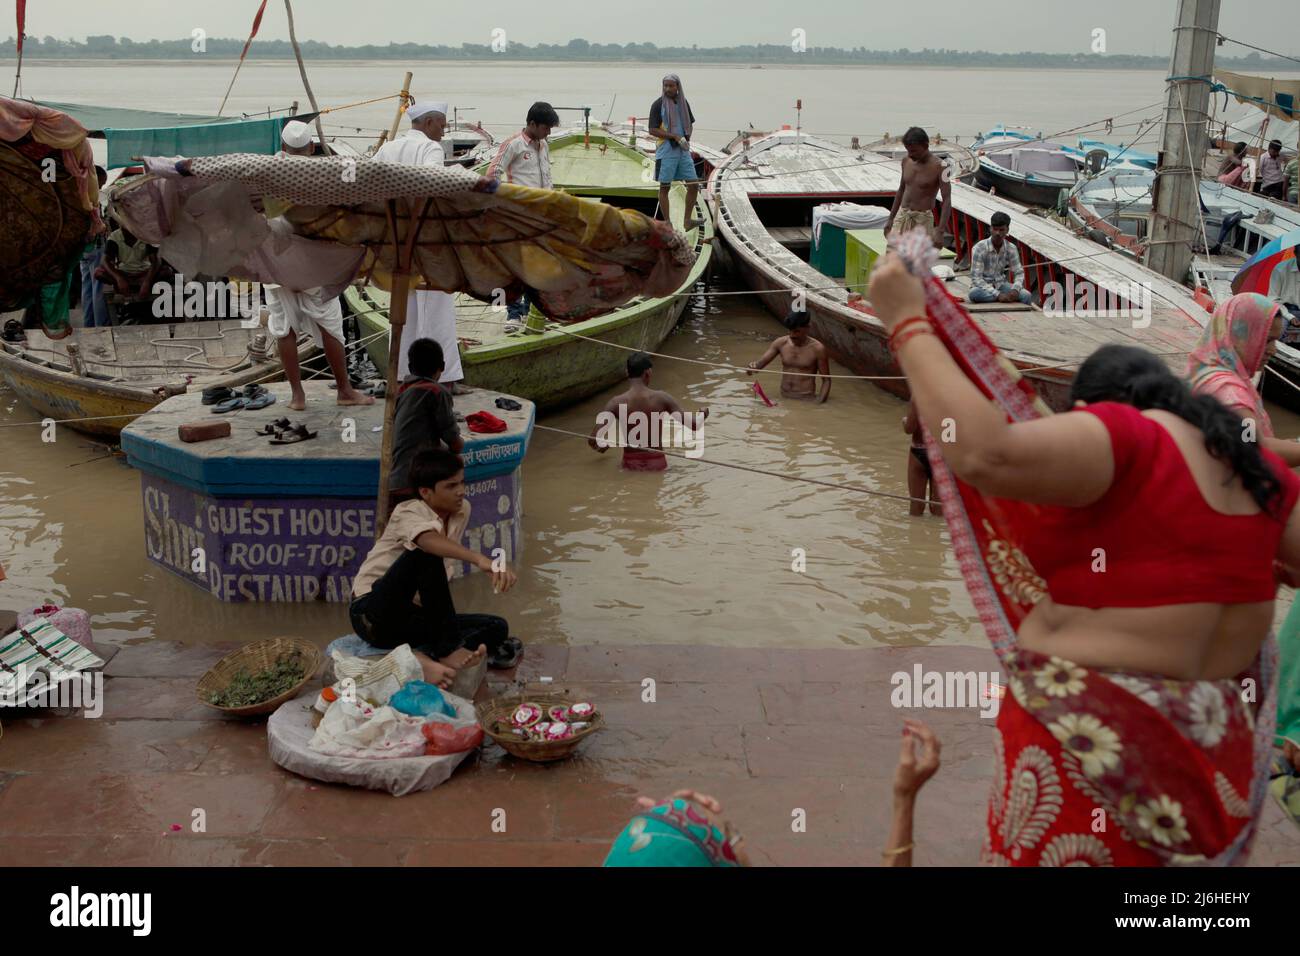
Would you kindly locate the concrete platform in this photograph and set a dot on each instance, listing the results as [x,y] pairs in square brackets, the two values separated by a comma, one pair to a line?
[250,521]
[343,461]
[766,732]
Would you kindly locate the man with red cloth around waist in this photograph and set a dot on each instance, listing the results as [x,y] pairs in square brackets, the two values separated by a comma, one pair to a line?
[643,414]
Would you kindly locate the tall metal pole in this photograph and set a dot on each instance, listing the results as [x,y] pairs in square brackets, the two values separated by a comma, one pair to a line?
[1175,221]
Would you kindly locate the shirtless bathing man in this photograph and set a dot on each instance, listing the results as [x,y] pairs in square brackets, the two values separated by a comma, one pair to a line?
[645,413]
[803,358]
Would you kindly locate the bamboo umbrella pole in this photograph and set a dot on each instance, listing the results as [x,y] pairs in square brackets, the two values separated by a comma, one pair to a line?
[302,69]
[401,106]
[396,320]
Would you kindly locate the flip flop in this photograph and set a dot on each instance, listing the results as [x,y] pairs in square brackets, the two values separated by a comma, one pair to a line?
[508,404]
[229,405]
[294,435]
[260,401]
[253,391]
[273,428]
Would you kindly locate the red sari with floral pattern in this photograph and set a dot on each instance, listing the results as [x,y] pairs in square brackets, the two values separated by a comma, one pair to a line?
[1092,767]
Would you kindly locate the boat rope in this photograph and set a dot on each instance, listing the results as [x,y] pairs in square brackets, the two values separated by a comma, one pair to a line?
[756,471]
[1223,39]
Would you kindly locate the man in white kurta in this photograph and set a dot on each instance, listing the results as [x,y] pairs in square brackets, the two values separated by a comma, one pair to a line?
[429,315]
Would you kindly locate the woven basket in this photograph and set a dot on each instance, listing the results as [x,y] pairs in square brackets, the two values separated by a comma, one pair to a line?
[494,717]
[255,657]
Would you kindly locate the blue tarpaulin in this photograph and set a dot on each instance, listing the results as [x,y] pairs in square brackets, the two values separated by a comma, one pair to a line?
[211,139]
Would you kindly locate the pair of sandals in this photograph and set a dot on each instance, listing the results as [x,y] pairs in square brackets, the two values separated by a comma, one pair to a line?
[283,432]
[225,399]
[378,389]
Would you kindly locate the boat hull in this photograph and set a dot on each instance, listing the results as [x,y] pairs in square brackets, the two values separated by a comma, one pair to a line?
[1017,187]
[557,372]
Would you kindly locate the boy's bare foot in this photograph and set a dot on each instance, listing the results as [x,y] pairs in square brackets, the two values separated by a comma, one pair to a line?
[298,401]
[438,674]
[463,657]
[350,396]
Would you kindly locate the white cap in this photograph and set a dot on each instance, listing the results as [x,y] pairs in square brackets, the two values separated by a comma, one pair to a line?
[420,110]
[295,134]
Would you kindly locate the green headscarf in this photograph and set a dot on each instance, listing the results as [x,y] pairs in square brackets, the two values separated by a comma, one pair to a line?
[675,833]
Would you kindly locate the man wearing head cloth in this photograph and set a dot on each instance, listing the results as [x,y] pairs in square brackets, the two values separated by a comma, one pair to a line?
[307,311]
[671,122]
[429,315]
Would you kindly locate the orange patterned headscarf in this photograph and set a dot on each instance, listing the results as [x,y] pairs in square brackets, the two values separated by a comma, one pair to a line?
[1231,352]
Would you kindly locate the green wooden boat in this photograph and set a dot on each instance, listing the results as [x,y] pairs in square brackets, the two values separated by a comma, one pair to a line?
[550,364]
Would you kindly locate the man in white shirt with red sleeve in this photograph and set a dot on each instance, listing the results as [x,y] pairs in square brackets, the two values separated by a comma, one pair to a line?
[525,160]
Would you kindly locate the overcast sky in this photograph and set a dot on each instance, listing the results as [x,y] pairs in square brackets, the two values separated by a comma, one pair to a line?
[1054,26]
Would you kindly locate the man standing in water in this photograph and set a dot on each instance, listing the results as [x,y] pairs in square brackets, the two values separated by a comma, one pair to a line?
[803,358]
[643,412]
[922,178]
[671,122]
[429,315]
[308,311]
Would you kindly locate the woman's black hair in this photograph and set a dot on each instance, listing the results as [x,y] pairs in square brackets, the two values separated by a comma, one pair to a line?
[1134,376]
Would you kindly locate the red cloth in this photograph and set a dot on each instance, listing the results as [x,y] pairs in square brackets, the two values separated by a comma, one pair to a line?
[1162,543]
[644,459]
[1178,769]
[485,423]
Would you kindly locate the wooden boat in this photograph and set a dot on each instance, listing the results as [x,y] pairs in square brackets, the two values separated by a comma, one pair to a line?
[1025,169]
[764,197]
[111,373]
[635,135]
[963,158]
[468,144]
[1114,209]
[564,363]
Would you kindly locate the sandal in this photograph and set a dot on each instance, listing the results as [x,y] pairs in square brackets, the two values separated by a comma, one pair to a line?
[254,390]
[274,428]
[217,393]
[229,405]
[508,404]
[260,401]
[507,655]
[293,435]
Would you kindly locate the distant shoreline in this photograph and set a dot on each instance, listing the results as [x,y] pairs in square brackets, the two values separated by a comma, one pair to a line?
[207,59]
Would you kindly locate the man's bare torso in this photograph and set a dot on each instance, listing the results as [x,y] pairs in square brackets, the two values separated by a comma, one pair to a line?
[644,403]
[799,358]
[921,182]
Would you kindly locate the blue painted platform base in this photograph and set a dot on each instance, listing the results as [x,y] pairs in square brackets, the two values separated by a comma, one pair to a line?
[250,521]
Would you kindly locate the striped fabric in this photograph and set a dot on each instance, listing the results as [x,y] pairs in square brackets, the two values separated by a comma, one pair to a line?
[39,647]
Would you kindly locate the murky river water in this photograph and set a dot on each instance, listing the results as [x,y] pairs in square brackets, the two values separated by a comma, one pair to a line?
[701,554]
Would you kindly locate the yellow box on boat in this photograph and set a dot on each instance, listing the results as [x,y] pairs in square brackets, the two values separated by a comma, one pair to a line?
[862,247]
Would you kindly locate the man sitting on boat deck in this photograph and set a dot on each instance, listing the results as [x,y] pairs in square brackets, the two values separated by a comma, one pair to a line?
[401,593]
[1233,167]
[132,266]
[641,414]
[308,311]
[923,178]
[671,122]
[1271,181]
[425,417]
[803,358]
[525,159]
[429,315]
[990,262]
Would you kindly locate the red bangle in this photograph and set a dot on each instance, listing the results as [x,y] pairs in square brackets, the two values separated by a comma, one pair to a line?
[905,324]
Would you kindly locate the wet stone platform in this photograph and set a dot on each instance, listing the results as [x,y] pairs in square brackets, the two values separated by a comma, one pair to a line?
[768,732]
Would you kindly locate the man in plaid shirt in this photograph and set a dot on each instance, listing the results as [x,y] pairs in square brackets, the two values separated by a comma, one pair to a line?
[990,262]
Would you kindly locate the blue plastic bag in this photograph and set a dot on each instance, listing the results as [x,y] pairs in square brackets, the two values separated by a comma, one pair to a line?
[421,699]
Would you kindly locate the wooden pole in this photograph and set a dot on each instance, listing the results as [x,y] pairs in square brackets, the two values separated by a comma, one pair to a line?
[396,320]
[401,105]
[1174,221]
[302,69]
[19,75]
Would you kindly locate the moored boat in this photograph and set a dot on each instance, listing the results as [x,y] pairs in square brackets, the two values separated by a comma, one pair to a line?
[115,374]
[1025,169]
[554,364]
[766,194]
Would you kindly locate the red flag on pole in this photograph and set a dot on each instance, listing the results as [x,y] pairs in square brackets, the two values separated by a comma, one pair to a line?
[22,21]
[257,23]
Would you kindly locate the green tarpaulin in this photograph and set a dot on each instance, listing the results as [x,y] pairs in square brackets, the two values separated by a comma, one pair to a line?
[133,132]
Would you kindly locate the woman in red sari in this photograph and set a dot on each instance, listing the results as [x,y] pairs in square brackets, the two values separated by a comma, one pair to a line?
[1121,558]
